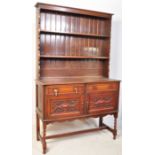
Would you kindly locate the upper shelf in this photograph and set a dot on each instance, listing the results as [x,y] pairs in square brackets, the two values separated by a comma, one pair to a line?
[74,34]
[74,57]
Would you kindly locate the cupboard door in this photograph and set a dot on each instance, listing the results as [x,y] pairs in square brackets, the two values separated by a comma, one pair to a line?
[101,102]
[64,106]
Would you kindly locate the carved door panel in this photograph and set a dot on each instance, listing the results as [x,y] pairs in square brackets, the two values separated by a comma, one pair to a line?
[64,106]
[101,101]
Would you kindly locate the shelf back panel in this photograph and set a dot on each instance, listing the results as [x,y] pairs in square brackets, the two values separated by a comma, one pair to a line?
[60,45]
[58,22]
[68,67]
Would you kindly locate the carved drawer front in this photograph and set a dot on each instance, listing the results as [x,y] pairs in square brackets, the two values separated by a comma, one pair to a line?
[102,87]
[64,106]
[103,101]
[56,90]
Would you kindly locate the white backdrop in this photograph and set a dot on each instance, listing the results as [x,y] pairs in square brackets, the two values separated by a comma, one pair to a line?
[17,33]
[17,61]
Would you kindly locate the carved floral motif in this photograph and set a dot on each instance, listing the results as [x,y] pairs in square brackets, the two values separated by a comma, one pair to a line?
[65,106]
[102,101]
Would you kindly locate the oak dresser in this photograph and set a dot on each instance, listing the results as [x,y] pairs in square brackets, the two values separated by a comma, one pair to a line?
[72,68]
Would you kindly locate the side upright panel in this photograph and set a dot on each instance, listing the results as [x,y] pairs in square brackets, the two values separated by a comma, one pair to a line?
[40,100]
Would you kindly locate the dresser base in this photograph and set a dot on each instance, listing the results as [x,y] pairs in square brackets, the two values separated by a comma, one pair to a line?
[44,137]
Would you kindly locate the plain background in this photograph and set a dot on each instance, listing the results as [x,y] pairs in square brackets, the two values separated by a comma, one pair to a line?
[16,73]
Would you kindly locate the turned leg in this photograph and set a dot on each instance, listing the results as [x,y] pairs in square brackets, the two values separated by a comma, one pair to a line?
[37,127]
[44,138]
[115,127]
[100,121]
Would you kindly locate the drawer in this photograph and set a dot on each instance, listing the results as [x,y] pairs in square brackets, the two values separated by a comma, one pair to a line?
[56,90]
[102,87]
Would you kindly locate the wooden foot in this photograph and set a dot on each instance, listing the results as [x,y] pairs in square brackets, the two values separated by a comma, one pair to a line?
[37,127]
[44,150]
[115,127]
[44,138]
[100,121]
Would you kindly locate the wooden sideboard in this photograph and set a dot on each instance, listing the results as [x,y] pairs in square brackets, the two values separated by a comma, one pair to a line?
[72,68]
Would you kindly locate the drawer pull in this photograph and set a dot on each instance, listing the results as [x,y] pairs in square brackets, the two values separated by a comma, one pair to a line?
[76,90]
[55,92]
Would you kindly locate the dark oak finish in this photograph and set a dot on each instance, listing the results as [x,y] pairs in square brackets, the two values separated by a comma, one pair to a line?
[72,68]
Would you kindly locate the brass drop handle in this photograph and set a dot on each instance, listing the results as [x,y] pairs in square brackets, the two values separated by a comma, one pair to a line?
[76,90]
[55,92]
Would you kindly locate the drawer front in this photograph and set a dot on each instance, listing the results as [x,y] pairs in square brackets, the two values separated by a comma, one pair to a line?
[102,87]
[102,101]
[56,90]
[64,106]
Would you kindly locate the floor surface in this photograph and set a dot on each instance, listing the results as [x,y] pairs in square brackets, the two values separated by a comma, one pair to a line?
[95,143]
